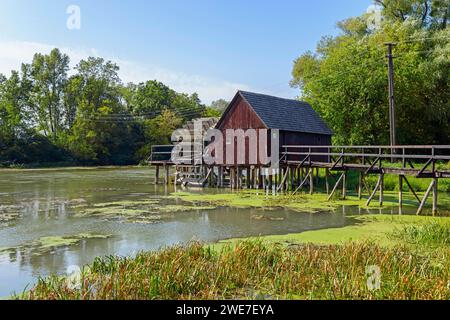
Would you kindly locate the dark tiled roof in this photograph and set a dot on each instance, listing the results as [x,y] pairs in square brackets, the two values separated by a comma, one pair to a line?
[286,114]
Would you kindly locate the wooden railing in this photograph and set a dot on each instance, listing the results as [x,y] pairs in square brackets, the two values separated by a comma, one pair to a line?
[371,157]
[161,153]
[404,153]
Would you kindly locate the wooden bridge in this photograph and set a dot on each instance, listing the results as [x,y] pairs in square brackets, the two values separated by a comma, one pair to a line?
[299,168]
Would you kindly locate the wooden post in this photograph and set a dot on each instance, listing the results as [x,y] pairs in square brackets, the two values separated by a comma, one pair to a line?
[248,179]
[292,178]
[360,186]
[166,174]
[381,189]
[311,181]
[176,176]
[239,178]
[270,180]
[377,186]
[400,194]
[344,185]
[327,184]
[261,183]
[435,195]
[232,177]
[220,177]
[157,175]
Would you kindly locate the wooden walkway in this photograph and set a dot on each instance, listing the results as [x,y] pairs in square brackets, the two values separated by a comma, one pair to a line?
[299,168]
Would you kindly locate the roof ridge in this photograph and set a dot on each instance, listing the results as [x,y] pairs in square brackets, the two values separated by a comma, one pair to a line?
[271,96]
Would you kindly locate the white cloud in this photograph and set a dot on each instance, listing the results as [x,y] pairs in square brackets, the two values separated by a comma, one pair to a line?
[13,53]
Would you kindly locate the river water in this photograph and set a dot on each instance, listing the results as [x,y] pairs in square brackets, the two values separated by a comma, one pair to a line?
[38,204]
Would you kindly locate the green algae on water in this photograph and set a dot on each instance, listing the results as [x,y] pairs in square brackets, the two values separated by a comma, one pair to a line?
[46,244]
[301,202]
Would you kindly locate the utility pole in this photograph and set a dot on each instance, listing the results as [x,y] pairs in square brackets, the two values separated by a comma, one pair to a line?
[390,57]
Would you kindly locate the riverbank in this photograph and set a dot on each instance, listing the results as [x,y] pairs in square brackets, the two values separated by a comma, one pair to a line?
[411,254]
[65,168]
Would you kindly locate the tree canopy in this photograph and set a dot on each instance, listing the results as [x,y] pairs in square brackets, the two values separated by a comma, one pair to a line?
[89,117]
[346,78]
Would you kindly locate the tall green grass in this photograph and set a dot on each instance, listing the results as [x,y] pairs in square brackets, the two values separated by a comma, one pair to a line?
[253,269]
[429,234]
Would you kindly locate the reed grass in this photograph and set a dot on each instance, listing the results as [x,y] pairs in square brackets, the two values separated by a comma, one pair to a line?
[254,269]
[428,234]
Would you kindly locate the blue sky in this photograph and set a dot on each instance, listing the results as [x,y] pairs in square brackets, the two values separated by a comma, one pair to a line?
[211,47]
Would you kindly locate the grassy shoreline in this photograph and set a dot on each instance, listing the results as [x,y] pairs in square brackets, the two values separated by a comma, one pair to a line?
[322,264]
[411,252]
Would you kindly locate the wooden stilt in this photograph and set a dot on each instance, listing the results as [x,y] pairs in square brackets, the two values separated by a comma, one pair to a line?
[336,186]
[435,196]
[239,178]
[400,194]
[360,182]
[381,200]
[232,177]
[302,183]
[412,190]
[157,175]
[220,178]
[292,171]
[176,176]
[377,186]
[270,180]
[311,181]
[425,197]
[327,184]
[166,175]
[344,185]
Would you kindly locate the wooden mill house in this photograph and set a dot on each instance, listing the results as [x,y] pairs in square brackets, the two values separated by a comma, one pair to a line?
[296,123]
[304,141]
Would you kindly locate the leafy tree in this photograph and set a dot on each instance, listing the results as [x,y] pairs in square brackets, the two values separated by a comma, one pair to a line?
[159,130]
[48,77]
[89,117]
[102,131]
[345,80]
